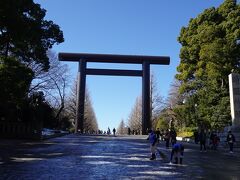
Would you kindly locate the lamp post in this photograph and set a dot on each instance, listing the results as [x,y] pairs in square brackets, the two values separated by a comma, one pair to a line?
[196,115]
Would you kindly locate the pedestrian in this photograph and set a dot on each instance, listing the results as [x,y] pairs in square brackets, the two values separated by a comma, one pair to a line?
[196,137]
[114,131]
[230,140]
[208,134]
[167,138]
[162,135]
[214,140]
[173,136]
[202,139]
[177,153]
[153,142]
[129,131]
[157,134]
[211,139]
[108,131]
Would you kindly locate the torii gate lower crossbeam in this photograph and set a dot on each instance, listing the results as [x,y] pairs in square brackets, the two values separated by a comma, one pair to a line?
[83,58]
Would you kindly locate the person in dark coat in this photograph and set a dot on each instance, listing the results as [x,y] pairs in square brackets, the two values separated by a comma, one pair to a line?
[202,139]
[196,139]
[173,136]
[114,131]
[157,132]
[167,138]
[230,140]
[129,131]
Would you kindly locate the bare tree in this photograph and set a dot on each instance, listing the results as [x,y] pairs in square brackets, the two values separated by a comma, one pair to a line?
[121,128]
[157,103]
[174,102]
[135,116]
[90,120]
[52,83]
[156,106]
[46,80]
[174,97]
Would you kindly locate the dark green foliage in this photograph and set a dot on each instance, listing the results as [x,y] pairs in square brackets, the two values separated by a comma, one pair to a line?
[65,123]
[25,38]
[208,55]
[47,116]
[41,111]
[15,80]
[24,33]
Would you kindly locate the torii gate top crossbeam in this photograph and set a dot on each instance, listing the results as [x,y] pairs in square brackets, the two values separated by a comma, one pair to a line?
[113,58]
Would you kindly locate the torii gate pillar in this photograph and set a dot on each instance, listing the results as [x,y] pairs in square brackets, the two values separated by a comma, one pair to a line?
[146,123]
[81,86]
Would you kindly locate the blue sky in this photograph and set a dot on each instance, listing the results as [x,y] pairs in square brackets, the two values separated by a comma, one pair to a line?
[131,27]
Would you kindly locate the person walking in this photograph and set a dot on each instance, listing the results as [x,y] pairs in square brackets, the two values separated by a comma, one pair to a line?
[167,138]
[161,135]
[108,131]
[214,140]
[157,132]
[230,140]
[202,139]
[196,139]
[173,136]
[129,131]
[114,131]
[153,142]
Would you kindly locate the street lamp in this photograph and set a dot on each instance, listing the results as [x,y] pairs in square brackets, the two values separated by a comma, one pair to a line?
[196,115]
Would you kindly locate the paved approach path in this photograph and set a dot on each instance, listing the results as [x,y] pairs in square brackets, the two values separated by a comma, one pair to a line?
[107,157]
[212,164]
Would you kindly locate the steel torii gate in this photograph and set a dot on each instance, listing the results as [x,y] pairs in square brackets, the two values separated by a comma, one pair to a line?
[83,58]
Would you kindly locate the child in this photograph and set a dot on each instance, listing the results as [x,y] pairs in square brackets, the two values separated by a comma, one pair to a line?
[177,153]
[153,142]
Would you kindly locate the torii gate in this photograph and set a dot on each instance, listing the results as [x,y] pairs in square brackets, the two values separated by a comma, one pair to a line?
[83,58]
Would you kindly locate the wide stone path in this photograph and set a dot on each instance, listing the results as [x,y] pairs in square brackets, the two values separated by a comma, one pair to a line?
[220,164]
[102,157]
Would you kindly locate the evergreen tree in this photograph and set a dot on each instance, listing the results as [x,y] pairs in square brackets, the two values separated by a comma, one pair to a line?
[15,81]
[25,34]
[209,52]
[25,38]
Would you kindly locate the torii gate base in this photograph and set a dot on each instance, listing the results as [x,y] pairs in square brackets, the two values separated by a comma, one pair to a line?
[83,58]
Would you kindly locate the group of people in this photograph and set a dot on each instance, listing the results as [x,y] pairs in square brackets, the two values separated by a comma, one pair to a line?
[109,131]
[213,140]
[170,136]
[178,148]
